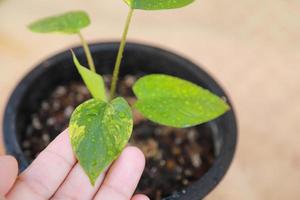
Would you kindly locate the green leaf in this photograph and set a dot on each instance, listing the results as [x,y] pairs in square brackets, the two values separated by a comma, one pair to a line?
[157,4]
[175,102]
[99,131]
[92,80]
[69,23]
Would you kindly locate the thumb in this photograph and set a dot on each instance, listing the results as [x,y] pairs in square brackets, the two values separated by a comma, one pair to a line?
[8,173]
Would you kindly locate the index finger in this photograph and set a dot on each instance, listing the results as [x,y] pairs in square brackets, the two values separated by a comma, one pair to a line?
[123,176]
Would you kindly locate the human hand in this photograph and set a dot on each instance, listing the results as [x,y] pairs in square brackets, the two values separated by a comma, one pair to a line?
[56,175]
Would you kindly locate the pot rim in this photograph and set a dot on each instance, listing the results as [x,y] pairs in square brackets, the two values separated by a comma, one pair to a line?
[200,188]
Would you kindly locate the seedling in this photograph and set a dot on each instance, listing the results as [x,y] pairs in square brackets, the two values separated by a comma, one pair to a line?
[101,127]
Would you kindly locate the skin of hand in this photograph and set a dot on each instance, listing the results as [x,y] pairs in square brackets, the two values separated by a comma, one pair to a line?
[56,175]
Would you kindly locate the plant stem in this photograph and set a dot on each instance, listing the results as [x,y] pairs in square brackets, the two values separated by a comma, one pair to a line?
[87,53]
[120,55]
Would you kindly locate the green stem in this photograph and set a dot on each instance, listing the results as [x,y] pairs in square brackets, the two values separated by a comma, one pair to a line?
[87,53]
[120,55]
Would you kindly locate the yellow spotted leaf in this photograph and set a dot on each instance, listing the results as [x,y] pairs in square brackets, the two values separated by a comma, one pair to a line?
[176,102]
[99,131]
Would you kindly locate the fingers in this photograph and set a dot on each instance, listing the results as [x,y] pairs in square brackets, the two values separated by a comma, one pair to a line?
[42,178]
[140,197]
[8,173]
[123,177]
[76,181]
[49,171]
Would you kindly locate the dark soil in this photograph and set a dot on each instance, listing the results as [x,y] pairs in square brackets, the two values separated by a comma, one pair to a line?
[175,157]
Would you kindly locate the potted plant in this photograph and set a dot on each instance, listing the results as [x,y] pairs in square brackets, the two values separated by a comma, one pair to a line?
[187,149]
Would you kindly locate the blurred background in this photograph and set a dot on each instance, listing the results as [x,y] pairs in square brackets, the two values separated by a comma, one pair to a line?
[252,47]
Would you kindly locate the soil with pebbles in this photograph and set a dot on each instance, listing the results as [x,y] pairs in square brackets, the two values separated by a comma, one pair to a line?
[175,158]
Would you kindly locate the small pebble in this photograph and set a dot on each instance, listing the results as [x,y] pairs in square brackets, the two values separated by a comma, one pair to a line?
[68,111]
[178,140]
[26,144]
[50,121]
[176,151]
[162,163]
[170,164]
[159,155]
[181,160]
[46,138]
[129,80]
[56,105]
[83,90]
[45,106]
[79,97]
[188,172]
[178,169]
[185,182]
[60,91]
[196,160]
[178,177]
[150,148]
[192,135]
[153,170]
[36,123]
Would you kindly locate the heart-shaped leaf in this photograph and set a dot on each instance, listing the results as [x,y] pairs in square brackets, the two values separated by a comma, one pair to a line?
[92,80]
[99,131]
[175,102]
[157,4]
[69,23]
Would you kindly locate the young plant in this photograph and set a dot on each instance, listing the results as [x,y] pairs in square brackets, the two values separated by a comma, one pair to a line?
[101,127]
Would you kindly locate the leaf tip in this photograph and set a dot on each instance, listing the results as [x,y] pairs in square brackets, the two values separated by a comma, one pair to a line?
[30,27]
[225,104]
[75,60]
[226,107]
[92,180]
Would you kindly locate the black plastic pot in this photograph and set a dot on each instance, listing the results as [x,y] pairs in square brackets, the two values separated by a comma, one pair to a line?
[138,58]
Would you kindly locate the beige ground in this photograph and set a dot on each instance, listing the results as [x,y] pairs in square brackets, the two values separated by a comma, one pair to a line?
[251,46]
